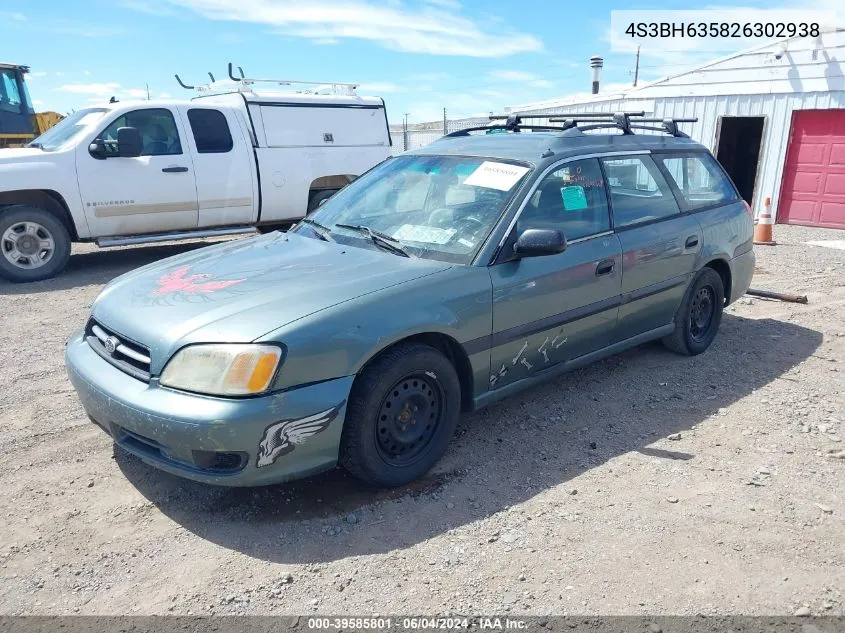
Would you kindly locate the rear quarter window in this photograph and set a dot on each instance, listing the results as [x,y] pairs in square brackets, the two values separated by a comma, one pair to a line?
[210,130]
[700,179]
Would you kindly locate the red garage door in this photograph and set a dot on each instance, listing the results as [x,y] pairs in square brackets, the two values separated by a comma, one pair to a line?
[813,190]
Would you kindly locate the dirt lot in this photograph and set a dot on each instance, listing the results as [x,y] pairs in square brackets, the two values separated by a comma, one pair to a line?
[647,483]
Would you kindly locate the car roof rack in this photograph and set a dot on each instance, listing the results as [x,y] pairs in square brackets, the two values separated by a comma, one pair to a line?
[242,83]
[625,121]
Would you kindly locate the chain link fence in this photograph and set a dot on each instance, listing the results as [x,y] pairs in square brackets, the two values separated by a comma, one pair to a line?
[416,135]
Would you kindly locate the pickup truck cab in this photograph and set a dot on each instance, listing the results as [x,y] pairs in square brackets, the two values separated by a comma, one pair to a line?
[221,163]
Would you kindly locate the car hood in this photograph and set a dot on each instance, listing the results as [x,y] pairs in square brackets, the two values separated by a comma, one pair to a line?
[240,290]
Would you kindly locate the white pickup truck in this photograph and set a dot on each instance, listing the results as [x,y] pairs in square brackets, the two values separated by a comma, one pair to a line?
[146,171]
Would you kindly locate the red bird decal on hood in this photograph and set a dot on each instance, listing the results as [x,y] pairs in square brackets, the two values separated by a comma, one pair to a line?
[177,281]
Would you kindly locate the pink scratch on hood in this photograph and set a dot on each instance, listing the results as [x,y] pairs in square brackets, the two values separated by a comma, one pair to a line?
[176,281]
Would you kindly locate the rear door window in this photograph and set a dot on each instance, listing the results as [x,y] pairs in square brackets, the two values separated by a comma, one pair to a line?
[638,191]
[210,130]
[699,178]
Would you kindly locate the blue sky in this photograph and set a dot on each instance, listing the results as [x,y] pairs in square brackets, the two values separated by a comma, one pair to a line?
[470,56]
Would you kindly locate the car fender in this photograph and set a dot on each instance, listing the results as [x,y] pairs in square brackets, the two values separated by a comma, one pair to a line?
[341,340]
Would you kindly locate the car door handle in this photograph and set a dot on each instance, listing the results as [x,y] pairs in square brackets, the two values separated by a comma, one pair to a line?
[692,241]
[605,267]
[174,170]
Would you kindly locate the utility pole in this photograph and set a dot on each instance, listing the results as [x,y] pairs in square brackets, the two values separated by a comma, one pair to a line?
[445,127]
[148,91]
[637,67]
[405,132]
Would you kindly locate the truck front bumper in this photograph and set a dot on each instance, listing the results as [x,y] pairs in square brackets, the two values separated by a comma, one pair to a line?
[224,441]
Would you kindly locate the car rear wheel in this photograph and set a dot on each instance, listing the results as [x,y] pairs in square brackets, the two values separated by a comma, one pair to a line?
[34,244]
[402,413]
[699,316]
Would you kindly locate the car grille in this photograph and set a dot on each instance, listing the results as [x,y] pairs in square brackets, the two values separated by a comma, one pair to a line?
[128,356]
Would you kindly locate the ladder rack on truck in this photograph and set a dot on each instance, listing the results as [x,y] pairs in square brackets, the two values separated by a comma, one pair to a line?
[243,83]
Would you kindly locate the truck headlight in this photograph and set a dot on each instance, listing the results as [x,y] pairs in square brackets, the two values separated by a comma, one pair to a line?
[223,369]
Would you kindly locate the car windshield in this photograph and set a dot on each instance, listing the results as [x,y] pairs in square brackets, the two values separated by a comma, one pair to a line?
[437,207]
[68,129]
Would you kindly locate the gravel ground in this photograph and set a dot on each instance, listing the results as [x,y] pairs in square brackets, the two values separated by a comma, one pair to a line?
[647,483]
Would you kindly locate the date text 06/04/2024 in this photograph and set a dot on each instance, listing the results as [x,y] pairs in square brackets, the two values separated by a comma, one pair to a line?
[416,623]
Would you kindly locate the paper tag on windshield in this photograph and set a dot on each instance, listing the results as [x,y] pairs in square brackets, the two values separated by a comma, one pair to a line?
[426,234]
[501,176]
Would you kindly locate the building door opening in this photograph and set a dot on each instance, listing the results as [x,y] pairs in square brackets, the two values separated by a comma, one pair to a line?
[738,149]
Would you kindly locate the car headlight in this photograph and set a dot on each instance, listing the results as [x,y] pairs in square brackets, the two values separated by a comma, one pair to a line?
[223,369]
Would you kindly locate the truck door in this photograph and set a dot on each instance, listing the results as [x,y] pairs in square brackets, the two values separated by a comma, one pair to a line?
[224,165]
[150,193]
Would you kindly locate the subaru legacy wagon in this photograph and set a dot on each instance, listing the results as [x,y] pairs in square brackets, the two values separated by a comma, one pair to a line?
[440,281]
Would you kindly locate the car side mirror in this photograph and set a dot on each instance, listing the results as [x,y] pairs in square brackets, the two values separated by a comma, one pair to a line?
[128,142]
[539,242]
[97,149]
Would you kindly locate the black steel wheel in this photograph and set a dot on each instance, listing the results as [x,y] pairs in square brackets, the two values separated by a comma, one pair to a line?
[402,412]
[699,314]
[408,418]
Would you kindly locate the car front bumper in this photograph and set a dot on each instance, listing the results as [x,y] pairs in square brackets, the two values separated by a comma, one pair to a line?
[224,441]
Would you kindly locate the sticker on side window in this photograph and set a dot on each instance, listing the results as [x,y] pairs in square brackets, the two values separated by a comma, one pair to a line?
[426,234]
[492,175]
[574,197]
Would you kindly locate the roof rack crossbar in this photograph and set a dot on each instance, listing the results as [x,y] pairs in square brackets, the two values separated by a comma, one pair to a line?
[557,116]
[466,131]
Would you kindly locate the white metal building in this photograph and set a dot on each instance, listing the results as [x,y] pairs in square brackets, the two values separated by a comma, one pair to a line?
[774,116]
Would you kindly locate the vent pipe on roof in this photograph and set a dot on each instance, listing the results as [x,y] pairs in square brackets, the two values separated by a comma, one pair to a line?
[596,63]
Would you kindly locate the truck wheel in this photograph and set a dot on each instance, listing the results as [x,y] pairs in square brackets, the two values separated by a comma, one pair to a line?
[34,244]
[402,412]
[699,316]
[316,198]
[269,228]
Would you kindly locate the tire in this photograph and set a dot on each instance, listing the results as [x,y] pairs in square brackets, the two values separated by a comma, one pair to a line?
[269,228]
[420,384]
[317,197]
[699,316]
[25,233]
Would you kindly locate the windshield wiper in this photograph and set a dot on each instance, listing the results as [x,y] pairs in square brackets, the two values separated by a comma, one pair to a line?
[378,238]
[324,233]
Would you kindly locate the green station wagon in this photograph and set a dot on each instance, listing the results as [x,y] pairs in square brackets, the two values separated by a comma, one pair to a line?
[438,282]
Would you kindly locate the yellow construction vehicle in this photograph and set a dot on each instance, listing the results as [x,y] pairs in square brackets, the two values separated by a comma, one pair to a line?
[19,123]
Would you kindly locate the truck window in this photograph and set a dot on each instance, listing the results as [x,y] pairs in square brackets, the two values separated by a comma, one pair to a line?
[211,131]
[10,96]
[699,178]
[159,134]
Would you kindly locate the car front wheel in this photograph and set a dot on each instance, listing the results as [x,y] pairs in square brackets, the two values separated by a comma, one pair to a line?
[699,316]
[402,412]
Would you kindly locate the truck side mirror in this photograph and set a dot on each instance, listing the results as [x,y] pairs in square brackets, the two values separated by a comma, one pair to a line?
[128,142]
[97,149]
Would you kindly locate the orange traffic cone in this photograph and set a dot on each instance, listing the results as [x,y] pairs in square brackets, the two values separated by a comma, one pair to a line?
[763,228]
